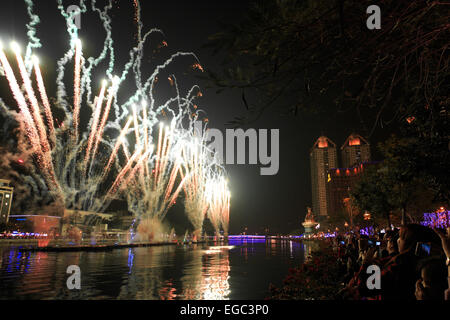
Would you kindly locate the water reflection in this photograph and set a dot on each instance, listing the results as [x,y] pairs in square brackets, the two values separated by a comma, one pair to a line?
[240,270]
[215,275]
[210,279]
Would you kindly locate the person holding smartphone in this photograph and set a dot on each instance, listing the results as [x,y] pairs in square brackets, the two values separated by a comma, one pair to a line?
[399,274]
[432,283]
[445,240]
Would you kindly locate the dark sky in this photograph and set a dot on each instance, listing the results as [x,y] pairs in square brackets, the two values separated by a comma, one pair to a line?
[278,202]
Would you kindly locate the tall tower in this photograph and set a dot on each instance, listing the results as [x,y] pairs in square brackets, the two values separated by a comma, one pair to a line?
[355,150]
[323,156]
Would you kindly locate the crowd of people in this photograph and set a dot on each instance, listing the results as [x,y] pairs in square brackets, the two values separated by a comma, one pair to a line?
[411,263]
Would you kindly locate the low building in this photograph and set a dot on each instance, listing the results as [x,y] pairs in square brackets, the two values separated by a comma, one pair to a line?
[85,220]
[42,224]
[340,182]
[6,197]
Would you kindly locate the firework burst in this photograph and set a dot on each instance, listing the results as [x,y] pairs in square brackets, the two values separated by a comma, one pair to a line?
[141,159]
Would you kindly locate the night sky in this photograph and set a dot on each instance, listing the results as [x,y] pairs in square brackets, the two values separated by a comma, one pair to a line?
[278,202]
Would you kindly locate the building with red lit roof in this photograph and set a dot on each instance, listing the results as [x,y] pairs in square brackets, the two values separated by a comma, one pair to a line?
[323,156]
[355,150]
[330,184]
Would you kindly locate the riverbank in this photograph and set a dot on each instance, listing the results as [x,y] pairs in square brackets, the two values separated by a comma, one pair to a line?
[318,278]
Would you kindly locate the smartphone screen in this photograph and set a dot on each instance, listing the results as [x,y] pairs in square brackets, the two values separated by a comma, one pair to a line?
[423,249]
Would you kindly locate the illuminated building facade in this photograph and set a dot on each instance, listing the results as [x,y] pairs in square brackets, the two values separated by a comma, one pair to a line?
[354,151]
[6,197]
[340,181]
[85,219]
[323,156]
[39,224]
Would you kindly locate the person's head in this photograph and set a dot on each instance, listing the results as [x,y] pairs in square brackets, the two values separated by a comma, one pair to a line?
[434,277]
[390,238]
[411,234]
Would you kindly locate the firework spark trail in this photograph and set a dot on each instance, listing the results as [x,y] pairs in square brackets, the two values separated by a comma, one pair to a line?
[119,142]
[44,99]
[137,19]
[33,102]
[149,84]
[112,92]
[170,141]
[20,99]
[134,54]
[31,33]
[48,168]
[122,173]
[158,153]
[142,159]
[166,147]
[138,143]
[226,214]
[136,127]
[153,203]
[172,178]
[31,130]
[96,118]
[107,47]
[125,150]
[76,89]
[171,202]
[145,128]
[150,184]
[72,30]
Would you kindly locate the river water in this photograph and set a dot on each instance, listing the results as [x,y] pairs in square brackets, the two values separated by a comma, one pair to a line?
[237,270]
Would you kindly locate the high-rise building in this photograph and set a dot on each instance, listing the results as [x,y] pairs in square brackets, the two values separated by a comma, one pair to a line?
[6,196]
[323,156]
[354,151]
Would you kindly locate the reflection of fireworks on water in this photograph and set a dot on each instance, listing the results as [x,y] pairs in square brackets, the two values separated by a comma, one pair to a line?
[215,285]
[218,197]
[209,277]
[148,161]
